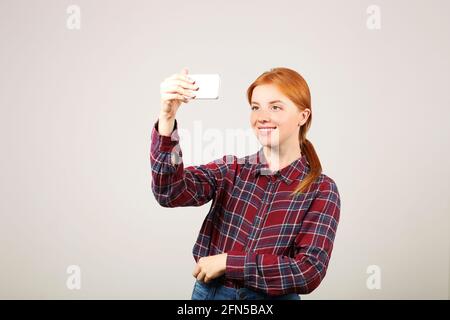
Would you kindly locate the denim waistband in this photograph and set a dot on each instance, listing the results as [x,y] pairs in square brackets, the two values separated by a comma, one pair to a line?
[215,290]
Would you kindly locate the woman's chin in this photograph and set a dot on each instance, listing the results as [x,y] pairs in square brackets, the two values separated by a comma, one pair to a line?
[268,143]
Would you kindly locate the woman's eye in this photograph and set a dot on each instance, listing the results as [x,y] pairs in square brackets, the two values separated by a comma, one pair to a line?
[276,107]
[253,108]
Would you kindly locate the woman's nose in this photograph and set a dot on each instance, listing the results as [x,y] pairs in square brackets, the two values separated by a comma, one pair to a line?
[262,118]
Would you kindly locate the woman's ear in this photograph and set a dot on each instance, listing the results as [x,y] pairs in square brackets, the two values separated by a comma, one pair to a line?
[304,115]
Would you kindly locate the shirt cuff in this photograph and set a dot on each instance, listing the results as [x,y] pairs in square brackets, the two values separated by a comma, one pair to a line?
[235,265]
[165,143]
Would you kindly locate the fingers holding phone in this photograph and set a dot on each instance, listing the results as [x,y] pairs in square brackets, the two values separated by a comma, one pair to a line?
[176,89]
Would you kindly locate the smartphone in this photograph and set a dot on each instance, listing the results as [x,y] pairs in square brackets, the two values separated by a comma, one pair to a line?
[208,85]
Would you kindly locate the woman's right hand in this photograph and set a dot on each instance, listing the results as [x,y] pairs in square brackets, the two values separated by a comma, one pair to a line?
[176,89]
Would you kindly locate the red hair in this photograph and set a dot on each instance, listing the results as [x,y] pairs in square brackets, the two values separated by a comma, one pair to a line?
[293,86]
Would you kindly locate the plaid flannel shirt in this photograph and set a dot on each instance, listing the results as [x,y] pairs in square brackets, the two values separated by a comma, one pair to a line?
[275,244]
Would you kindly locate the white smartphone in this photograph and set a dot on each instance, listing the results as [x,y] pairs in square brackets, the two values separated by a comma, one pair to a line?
[208,85]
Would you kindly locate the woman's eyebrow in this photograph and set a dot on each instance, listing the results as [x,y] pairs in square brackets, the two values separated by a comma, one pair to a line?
[274,101]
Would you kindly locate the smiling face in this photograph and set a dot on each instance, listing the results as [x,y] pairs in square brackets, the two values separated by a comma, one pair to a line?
[274,118]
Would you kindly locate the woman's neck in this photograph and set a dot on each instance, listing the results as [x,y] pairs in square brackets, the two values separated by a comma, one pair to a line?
[280,157]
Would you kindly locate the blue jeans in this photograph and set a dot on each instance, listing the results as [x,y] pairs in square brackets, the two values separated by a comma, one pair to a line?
[216,291]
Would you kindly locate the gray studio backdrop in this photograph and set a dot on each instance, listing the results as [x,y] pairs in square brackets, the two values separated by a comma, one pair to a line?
[78,105]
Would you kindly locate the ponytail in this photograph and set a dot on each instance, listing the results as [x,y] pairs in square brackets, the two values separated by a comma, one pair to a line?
[315,171]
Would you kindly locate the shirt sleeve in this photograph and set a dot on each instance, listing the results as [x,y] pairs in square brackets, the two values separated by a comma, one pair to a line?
[173,185]
[301,274]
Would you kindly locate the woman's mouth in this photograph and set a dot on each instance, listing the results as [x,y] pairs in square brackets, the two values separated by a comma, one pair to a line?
[266,130]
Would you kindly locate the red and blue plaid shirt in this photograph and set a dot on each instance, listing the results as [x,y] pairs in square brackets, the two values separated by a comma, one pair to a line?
[276,244]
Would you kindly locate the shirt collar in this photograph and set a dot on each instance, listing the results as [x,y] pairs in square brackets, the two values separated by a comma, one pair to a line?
[295,170]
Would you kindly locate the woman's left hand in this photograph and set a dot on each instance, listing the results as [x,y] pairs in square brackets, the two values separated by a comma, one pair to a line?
[208,268]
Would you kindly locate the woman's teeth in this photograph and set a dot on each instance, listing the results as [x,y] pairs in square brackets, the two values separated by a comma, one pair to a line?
[266,130]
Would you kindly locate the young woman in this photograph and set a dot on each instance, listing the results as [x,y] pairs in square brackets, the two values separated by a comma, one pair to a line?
[269,232]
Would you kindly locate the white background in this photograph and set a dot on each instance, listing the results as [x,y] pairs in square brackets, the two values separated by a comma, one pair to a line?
[77,108]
